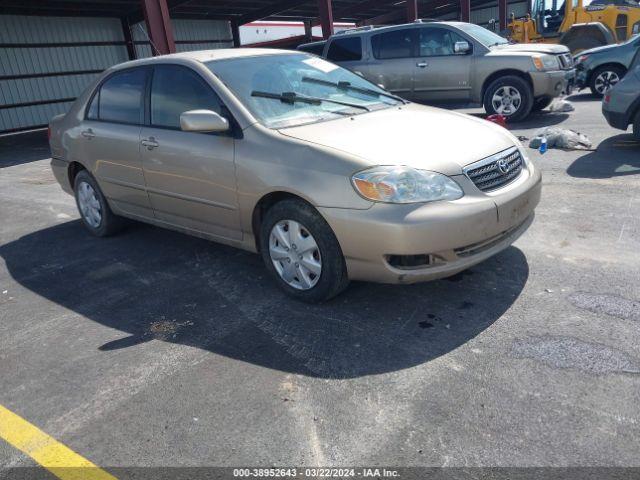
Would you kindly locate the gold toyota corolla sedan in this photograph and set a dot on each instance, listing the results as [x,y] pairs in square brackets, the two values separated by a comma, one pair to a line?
[328,176]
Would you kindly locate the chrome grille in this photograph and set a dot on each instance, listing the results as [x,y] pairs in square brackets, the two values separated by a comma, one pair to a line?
[496,171]
[566,61]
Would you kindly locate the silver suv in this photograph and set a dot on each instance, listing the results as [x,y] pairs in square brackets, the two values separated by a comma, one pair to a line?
[455,62]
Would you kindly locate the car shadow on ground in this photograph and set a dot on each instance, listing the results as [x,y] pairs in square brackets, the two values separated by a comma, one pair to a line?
[540,119]
[585,96]
[151,283]
[615,157]
[23,148]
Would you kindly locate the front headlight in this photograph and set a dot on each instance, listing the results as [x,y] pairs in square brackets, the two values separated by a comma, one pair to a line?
[546,62]
[580,59]
[399,184]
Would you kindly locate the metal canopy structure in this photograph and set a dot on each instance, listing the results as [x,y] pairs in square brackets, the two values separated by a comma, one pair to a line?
[240,12]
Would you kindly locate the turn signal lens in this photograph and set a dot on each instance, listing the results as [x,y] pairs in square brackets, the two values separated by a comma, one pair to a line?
[538,63]
[399,184]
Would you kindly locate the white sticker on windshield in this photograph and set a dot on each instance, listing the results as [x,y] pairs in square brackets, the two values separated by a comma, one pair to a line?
[320,64]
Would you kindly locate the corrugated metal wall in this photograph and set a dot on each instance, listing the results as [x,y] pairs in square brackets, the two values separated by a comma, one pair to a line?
[45,62]
[189,35]
[41,48]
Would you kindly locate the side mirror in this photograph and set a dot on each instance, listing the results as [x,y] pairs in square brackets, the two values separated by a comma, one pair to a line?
[203,121]
[461,48]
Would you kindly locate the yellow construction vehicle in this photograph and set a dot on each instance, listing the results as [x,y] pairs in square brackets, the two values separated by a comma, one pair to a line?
[576,25]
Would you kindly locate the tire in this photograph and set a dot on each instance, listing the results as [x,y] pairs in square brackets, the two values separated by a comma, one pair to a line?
[507,85]
[88,193]
[610,75]
[636,126]
[283,219]
[541,103]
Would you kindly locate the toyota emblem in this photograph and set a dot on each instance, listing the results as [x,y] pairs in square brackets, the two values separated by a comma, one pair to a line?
[503,166]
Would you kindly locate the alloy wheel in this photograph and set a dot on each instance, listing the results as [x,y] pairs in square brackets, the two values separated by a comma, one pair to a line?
[506,100]
[605,81]
[295,254]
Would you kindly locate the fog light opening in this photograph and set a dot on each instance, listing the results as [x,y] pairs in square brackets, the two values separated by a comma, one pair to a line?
[407,262]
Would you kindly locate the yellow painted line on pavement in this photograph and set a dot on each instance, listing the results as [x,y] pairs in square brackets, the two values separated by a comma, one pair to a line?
[60,460]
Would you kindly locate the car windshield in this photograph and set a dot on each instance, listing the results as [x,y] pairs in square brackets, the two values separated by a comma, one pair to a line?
[484,36]
[259,82]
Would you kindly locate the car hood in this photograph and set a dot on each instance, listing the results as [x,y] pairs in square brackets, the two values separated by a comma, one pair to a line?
[413,135]
[532,48]
[603,49]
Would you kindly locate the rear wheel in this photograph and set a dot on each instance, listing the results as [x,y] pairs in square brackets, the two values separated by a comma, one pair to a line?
[603,78]
[301,252]
[636,126]
[94,210]
[509,96]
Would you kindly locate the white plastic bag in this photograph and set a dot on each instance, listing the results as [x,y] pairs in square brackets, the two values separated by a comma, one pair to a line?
[561,105]
[561,138]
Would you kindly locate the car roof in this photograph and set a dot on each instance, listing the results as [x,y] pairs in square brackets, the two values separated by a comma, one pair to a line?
[203,56]
[382,28]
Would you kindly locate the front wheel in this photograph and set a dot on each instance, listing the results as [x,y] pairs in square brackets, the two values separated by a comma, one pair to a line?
[636,126]
[604,78]
[301,252]
[94,210]
[509,96]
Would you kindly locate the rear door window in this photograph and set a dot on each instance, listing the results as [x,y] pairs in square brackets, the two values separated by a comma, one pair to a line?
[120,98]
[395,44]
[346,49]
[175,90]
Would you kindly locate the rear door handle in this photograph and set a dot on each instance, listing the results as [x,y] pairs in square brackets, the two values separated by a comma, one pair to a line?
[422,64]
[150,143]
[88,133]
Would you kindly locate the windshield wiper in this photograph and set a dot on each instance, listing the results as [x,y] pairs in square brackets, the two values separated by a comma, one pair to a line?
[293,97]
[347,86]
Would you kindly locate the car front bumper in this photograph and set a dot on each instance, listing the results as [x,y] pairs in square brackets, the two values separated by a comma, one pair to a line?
[453,235]
[553,84]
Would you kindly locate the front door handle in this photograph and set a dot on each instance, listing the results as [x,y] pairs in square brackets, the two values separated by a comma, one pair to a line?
[88,133]
[422,64]
[150,143]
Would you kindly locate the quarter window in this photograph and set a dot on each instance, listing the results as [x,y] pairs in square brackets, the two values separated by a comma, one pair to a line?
[92,111]
[120,97]
[394,44]
[436,42]
[345,49]
[175,90]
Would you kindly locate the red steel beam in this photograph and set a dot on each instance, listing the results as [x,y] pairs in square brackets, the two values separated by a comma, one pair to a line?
[502,14]
[412,10]
[159,29]
[326,17]
[465,10]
